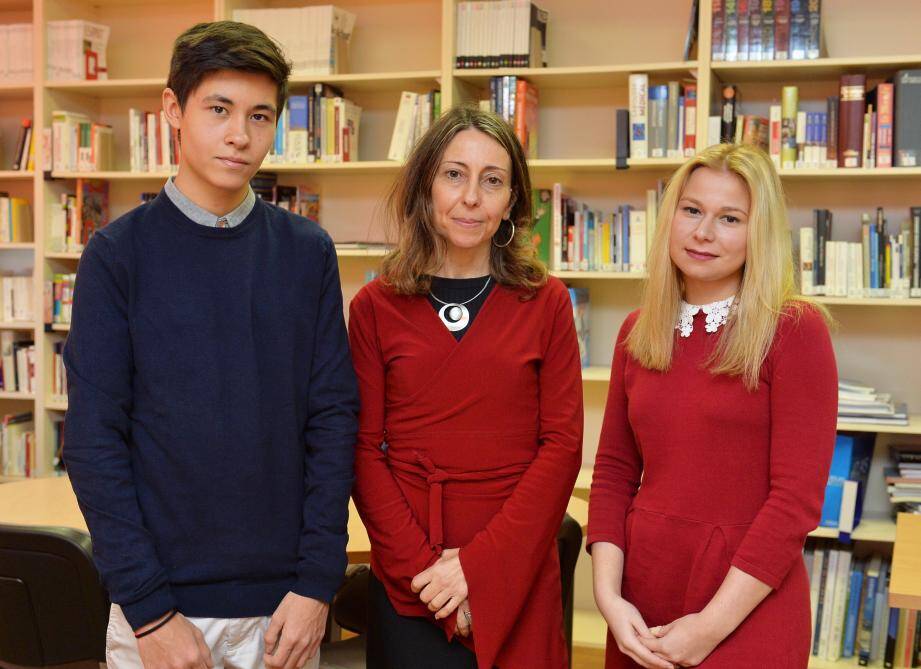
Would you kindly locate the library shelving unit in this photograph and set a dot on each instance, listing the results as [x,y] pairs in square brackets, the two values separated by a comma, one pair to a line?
[593,46]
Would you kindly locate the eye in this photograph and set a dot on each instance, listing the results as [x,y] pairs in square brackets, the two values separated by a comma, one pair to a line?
[731,219]
[693,211]
[453,174]
[260,117]
[218,109]
[494,181]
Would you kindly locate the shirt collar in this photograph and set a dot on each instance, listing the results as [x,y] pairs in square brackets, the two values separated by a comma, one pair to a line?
[203,216]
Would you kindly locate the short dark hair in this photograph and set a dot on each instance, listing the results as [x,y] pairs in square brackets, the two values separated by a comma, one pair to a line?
[225,45]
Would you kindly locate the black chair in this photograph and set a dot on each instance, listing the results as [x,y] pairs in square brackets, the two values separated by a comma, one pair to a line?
[53,609]
[350,607]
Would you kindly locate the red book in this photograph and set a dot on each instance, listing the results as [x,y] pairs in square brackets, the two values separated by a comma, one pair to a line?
[690,118]
[884,120]
[851,119]
[781,29]
[718,49]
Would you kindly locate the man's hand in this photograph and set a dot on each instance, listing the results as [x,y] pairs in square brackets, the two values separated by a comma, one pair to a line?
[176,645]
[295,632]
[686,642]
[443,585]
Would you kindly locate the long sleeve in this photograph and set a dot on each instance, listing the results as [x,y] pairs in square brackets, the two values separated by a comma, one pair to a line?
[330,437]
[803,417]
[618,463]
[502,560]
[401,546]
[98,358]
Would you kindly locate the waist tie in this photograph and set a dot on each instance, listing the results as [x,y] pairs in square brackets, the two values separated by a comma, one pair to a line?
[436,477]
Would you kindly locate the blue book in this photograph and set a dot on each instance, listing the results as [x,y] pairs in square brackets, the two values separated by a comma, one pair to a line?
[625,235]
[874,257]
[580,313]
[868,611]
[850,461]
[853,609]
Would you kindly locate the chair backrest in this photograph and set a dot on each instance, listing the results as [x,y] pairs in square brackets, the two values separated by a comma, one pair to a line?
[53,609]
[568,543]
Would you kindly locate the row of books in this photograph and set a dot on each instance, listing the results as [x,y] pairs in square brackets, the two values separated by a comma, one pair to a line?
[76,216]
[500,33]
[16,53]
[315,39]
[415,115]
[766,30]
[76,50]
[24,153]
[15,219]
[59,299]
[842,507]
[322,126]
[80,145]
[58,373]
[298,199]
[17,445]
[16,299]
[153,143]
[860,403]
[516,100]
[903,482]
[580,238]
[17,361]
[662,118]
[879,265]
[851,616]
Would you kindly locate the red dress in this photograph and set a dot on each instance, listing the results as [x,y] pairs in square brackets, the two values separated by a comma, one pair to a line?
[483,445]
[729,478]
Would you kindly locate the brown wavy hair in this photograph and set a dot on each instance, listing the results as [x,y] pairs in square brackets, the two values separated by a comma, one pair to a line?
[420,250]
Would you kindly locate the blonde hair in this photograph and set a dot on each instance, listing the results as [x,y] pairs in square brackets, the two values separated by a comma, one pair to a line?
[420,250]
[768,288]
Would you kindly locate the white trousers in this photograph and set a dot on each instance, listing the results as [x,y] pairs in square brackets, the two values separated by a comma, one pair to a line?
[235,643]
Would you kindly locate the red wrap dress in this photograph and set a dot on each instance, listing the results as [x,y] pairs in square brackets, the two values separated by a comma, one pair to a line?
[473,444]
[695,474]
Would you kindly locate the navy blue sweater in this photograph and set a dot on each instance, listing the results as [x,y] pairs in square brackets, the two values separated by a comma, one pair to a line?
[212,412]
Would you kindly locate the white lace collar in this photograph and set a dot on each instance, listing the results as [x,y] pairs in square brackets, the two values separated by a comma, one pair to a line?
[717,313]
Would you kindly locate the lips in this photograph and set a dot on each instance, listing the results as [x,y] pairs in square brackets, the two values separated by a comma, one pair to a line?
[700,255]
[233,162]
[467,222]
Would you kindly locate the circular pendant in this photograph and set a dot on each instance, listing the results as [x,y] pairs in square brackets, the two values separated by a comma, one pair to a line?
[454,316]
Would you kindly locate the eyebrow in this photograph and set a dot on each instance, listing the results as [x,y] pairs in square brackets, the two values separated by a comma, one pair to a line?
[488,167]
[227,101]
[698,202]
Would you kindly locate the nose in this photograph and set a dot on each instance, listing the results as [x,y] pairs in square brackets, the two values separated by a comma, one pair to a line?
[237,135]
[472,193]
[705,229]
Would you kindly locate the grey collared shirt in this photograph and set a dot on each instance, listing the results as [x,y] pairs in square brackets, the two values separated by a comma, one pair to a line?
[205,217]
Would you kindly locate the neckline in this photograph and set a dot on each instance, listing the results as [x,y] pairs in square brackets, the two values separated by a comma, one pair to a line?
[187,224]
[474,327]
[717,313]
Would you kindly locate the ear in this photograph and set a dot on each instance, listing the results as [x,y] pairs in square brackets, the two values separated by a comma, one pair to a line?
[172,108]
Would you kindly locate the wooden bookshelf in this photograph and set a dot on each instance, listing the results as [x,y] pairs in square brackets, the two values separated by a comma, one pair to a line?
[17,325]
[355,167]
[854,173]
[60,327]
[56,403]
[361,252]
[596,374]
[779,71]
[602,164]
[880,530]
[594,76]
[25,397]
[112,88]
[14,91]
[17,246]
[913,427]
[378,81]
[11,175]
[114,175]
[599,276]
[63,255]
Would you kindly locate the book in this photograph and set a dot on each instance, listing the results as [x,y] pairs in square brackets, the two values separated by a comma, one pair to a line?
[658,121]
[850,461]
[76,50]
[580,313]
[728,114]
[907,133]
[638,86]
[851,120]
[542,216]
[789,104]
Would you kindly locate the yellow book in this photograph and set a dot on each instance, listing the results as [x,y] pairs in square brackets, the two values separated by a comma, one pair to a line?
[606,245]
[20,220]
[887,273]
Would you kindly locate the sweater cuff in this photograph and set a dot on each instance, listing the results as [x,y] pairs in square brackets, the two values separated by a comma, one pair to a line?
[151,607]
[322,590]
[606,537]
[755,571]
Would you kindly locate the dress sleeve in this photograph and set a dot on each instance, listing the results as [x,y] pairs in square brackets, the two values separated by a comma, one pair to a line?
[502,560]
[804,407]
[401,547]
[618,463]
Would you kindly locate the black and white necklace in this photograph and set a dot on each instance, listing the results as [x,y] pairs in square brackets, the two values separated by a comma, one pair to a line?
[454,314]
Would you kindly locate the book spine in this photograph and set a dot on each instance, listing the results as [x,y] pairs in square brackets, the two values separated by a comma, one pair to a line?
[813,35]
[718,50]
[831,149]
[672,123]
[622,120]
[851,119]
[853,609]
[807,259]
[776,133]
[885,113]
[731,29]
[690,119]
[916,247]
[781,29]
[638,92]
[798,29]
[743,13]
[789,104]
[755,16]
[728,117]
[907,140]
[767,29]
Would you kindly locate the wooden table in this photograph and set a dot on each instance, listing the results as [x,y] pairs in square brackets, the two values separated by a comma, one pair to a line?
[51,502]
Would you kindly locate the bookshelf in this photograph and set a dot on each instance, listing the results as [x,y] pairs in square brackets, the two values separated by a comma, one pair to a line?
[593,47]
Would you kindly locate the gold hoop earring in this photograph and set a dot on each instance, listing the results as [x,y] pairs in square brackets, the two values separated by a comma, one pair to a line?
[510,238]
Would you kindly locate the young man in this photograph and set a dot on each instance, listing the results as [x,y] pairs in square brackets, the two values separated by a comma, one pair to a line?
[212,399]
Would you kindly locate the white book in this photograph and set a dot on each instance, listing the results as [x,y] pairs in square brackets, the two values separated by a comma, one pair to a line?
[806,259]
[134,140]
[800,138]
[479,30]
[831,265]
[166,162]
[637,241]
[638,111]
[839,609]
[152,143]
[843,269]
[402,128]
[848,506]
[713,130]
[556,228]
[828,603]
[855,270]
[815,583]
[523,31]
[7,337]
[5,227]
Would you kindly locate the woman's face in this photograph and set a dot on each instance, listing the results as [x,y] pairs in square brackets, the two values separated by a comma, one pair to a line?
[471,193]
[709,234]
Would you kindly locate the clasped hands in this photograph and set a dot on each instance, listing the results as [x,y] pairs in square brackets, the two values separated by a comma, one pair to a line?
[443,589]
[685,642]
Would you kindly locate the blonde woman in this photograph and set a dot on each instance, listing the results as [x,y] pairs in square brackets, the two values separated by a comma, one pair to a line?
[717,436]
